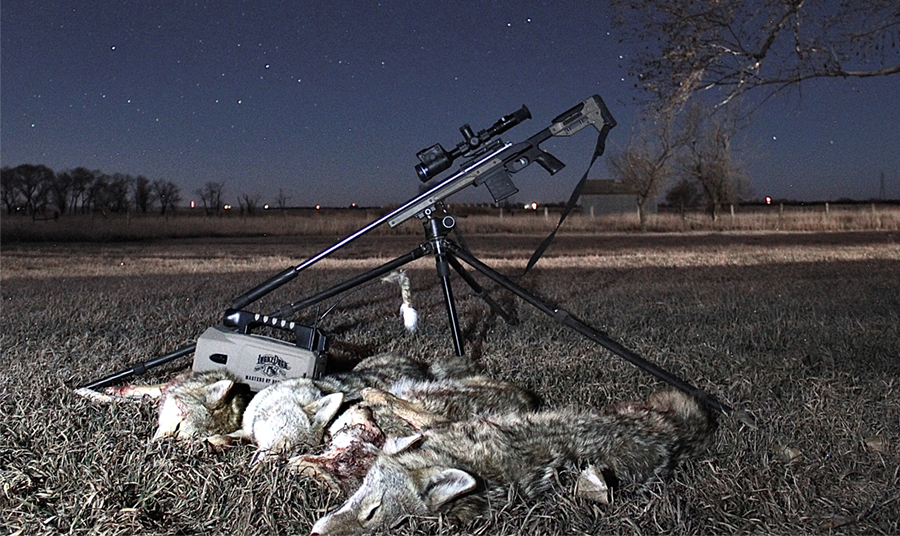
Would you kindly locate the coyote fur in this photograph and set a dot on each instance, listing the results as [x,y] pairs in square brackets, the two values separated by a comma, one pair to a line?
[194,406]
[285,416]
[198,405]
[357,436]
[191,406]
[295,414]
[460,468]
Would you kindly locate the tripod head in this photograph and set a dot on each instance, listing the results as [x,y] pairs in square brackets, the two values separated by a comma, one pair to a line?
[436,159]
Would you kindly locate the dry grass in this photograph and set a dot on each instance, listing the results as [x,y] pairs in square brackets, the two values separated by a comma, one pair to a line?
[336,224]
[798,329]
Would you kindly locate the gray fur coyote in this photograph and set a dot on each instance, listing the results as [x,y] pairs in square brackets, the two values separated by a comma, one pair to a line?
[459,469]
[295,414]
[198,405]
[192,405]
[285,416]
[357,436]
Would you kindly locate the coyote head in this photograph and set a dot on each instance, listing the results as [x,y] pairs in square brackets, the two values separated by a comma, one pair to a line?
[400,484]
[197,405]
[289,415]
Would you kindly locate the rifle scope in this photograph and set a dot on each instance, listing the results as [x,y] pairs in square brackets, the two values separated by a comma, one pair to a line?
[436,159]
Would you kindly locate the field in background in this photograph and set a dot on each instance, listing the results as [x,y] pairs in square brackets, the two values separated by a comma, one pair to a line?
[474,220]
[800,330]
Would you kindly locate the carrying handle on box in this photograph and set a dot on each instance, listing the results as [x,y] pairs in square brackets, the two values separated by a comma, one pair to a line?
[306,337]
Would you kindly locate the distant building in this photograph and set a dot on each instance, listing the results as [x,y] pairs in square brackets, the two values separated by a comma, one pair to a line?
[610,197]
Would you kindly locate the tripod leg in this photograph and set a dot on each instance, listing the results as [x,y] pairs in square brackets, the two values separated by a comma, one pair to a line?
[597,336]
[365,277]
[443,270]
[480,292]
[139,368]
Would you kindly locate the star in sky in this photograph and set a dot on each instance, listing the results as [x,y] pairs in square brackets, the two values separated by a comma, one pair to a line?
[331,101]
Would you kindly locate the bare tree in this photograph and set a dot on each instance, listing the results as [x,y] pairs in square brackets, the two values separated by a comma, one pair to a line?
[646,162]
[282,199]
[9,189]
[249,202]
[82,178]
[167,194]
[33,183]
[683,194]
[737,45]
[211,197]
[60,188]
[94,189]
[142,193]
[112,193]
[709,158]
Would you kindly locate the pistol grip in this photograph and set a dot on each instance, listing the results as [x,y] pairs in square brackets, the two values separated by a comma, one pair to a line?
[549,162]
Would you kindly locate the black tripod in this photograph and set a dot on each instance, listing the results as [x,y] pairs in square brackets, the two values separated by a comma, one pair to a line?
[491,164]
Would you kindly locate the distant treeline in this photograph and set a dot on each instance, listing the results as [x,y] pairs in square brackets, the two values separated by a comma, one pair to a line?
[41,193]
[38,191]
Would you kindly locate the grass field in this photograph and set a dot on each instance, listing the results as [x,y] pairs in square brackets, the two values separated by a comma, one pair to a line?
[797,329]
[338,223]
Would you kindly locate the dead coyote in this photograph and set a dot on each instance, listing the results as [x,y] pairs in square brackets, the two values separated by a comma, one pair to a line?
[295,414]
[459,469]
[199,405]
[357,436]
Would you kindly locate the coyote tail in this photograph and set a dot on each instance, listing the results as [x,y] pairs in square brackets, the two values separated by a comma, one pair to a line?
[410,316]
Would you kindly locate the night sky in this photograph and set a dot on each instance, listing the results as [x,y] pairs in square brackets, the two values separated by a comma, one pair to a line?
[331,101]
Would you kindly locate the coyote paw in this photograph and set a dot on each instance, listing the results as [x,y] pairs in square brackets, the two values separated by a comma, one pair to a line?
[135,392]
[310,466]
[125,393]
[220,442]
[377,397]
[592,485]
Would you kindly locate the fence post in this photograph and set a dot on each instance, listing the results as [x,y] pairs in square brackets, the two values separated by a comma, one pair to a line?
[826,208]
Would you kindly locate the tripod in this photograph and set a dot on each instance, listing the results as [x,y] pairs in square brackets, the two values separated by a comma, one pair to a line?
[491,164]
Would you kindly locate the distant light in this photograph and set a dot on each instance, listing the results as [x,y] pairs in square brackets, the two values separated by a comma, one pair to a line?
[768,200]
[193,204]
[318,207]
[266,207]
[227,207]
[352,205]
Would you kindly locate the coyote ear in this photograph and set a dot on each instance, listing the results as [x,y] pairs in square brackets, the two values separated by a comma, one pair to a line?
[445,485]
[396,445]
[217,392]
[324,409]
